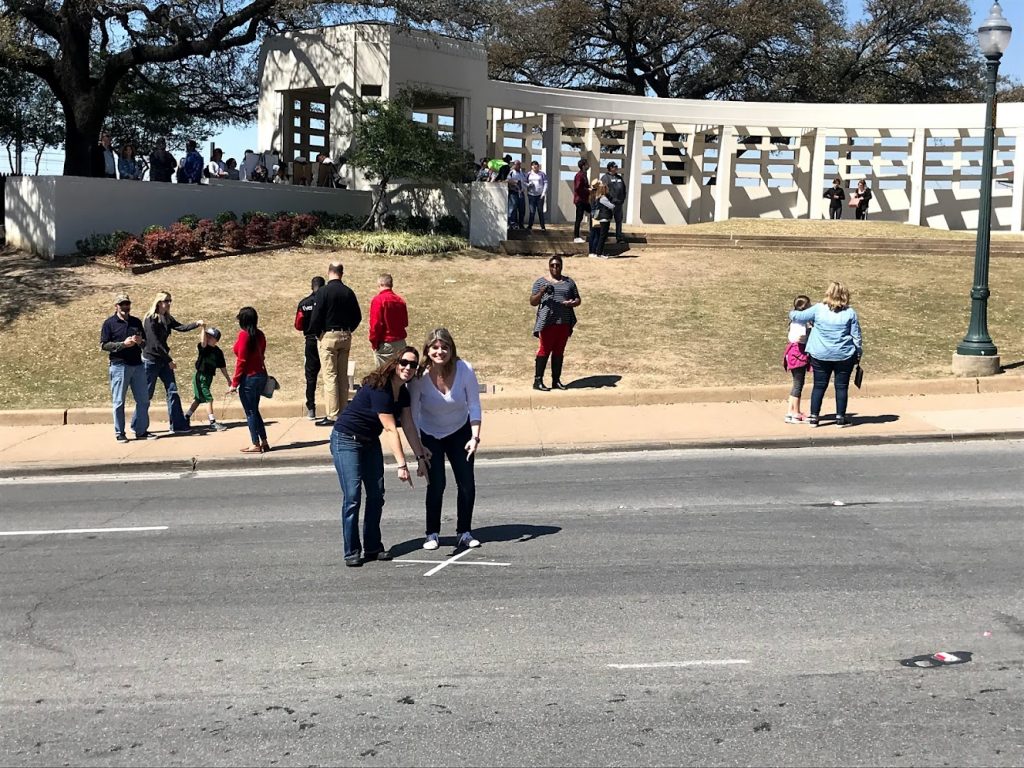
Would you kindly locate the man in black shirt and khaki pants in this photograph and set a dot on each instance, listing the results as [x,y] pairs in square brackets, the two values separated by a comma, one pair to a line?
[335,316]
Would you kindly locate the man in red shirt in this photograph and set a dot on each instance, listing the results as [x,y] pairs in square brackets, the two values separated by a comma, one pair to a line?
[581,197]
[389,319]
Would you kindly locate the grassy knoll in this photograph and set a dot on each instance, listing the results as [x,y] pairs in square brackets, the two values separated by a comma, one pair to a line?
[660,320]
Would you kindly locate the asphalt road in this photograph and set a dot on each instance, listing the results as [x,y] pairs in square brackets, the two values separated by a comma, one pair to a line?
[705,607]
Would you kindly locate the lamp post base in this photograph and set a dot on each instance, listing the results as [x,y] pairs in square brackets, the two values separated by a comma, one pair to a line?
[975,365]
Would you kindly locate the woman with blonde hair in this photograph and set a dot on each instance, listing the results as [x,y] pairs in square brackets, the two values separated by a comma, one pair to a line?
[157,360]
[602,210]
[445,401]
[834,347]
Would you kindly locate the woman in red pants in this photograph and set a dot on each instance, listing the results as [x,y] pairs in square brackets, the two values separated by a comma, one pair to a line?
[556,297]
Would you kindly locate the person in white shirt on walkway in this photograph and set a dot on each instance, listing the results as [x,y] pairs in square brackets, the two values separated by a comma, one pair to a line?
[446,408]
[536,192]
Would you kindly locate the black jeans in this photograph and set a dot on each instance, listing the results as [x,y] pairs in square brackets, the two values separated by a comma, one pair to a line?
[582,212]
[454,448]
[312,370]
[618,220]
[835,209]
[823,370]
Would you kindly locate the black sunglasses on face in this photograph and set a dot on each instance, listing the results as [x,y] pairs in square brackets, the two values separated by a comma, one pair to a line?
[406,363]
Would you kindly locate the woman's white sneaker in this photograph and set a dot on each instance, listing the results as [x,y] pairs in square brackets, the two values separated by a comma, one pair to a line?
[431,542]
[467,540]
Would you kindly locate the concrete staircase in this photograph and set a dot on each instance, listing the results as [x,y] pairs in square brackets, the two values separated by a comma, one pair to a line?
[558,239]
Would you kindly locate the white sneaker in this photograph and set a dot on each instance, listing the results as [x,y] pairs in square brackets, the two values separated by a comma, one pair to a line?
[592,255]
[467,540]
[579,240]
[432,542]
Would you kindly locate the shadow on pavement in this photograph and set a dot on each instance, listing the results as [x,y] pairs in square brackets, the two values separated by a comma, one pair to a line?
[302,444]
[493,533]
[882,418]
[594,382]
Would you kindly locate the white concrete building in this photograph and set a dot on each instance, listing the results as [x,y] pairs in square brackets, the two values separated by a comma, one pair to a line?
[685,161]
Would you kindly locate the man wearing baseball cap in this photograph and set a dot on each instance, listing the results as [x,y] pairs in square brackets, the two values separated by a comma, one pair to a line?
[617,195]
[122,337]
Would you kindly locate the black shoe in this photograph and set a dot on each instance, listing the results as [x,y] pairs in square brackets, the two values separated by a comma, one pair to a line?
[325,422]
[539,384]
[558,385]
[384,556]
[145,436]
[121,437]
[842,421]
[354,562]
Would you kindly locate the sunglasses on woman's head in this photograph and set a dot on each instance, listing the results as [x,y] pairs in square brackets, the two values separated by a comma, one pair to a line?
[406,363]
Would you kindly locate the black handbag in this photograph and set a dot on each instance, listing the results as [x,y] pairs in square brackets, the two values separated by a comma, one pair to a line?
[858,377]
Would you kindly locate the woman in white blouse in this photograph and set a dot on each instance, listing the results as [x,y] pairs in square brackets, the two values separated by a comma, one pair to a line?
[446,408]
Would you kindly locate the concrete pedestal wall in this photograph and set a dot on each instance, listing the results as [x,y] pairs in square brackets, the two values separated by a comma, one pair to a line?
[47,215]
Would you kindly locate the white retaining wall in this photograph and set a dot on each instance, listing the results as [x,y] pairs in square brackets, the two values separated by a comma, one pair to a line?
[47,215]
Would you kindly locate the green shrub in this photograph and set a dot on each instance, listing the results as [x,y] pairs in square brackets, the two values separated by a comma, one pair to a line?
[151,229]
[224,217]
[392,223]
[391,243]
[282,215]
[190,220]
[100,245]
[248,216]
[449,225]
[419,225]
[341,222]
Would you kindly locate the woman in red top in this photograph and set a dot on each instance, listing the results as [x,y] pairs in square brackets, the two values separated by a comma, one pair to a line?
[251,376]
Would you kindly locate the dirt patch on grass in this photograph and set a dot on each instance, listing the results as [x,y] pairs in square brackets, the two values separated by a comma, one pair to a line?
[658,320]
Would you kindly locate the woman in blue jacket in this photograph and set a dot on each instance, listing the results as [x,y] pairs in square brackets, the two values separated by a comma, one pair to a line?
[834,346]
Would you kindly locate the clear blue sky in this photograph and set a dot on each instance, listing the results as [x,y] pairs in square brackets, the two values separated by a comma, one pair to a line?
[236,140]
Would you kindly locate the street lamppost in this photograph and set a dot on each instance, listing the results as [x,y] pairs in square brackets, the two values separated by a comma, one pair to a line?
[976,355]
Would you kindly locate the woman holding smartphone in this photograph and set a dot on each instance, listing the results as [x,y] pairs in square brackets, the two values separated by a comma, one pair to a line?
[445,400]
[555,297]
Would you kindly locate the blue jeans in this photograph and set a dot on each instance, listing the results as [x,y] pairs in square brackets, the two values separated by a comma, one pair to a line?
[452,447]
[516,209]
[536,207]
[250,390]
[122,378]
[162,371]
[823,370]
[359,465]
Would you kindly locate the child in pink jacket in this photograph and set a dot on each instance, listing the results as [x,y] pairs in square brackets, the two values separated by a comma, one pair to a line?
[795,361]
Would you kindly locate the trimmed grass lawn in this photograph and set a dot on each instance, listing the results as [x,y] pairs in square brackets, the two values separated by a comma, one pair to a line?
[663,319]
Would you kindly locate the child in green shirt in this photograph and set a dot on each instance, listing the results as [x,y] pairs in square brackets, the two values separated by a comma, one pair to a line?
[209,360]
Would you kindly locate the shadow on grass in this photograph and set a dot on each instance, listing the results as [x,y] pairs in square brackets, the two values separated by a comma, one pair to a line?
[27,283]
[514,532]
[595,382]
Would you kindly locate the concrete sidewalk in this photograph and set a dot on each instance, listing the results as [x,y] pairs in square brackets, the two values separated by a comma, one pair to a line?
[516,424]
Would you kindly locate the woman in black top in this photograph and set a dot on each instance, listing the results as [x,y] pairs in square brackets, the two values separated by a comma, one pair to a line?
[835,196]
[156,358]
[359,460]
[863,196]
[556,298]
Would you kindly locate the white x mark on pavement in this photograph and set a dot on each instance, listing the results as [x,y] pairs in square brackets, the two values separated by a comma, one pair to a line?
[453,559]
